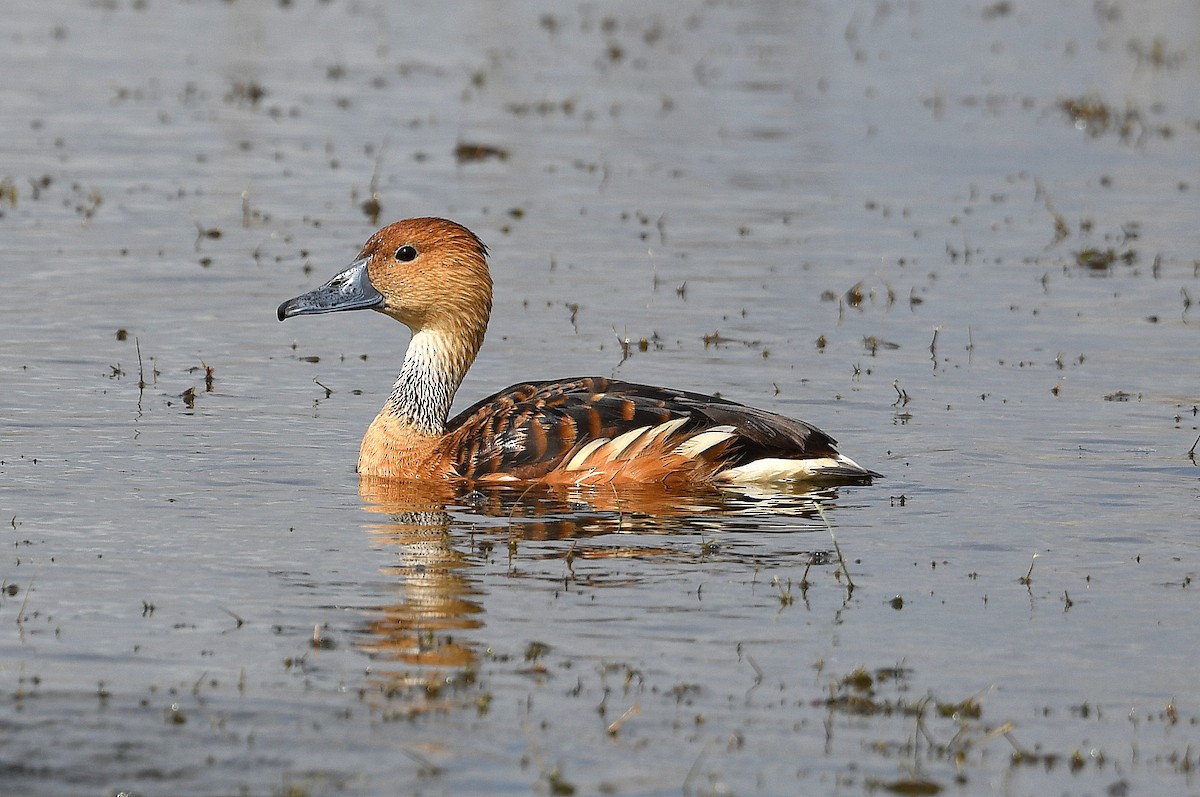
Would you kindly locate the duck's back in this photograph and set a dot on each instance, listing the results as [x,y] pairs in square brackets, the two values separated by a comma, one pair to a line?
[592,430]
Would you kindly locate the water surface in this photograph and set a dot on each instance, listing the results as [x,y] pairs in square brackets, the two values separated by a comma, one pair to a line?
[961,239]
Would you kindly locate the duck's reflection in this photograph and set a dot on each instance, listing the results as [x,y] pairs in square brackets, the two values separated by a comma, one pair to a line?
[437,600]
[553,512]
[431,629]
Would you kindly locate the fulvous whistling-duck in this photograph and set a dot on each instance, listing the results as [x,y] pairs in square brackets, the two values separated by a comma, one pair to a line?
[432,275]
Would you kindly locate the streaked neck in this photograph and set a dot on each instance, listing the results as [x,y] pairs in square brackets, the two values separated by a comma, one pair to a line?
[434,367]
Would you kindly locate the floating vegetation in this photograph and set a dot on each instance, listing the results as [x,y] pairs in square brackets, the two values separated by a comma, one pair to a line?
[8,192]
[873,344]
[1094,116]
[1027,579]
[322,641]
[1096,259]
[1155,54]
[854,296]
[466,152]
[937,748]
[1102,260]
[558,784]
[89,203]
[372,208]
[536,650]
[209,374]
[542,108]
[249,92]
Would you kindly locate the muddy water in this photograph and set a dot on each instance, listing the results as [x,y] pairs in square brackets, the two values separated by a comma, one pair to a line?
[961,239]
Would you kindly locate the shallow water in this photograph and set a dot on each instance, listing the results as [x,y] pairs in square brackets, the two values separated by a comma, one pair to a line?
[845,212]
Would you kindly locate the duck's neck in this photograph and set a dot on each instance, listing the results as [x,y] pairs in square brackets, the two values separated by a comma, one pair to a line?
[434,367]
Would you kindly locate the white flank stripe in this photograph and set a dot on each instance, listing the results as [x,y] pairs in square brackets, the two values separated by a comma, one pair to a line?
[698,444]
[665,430]
[577,461]
[621,442]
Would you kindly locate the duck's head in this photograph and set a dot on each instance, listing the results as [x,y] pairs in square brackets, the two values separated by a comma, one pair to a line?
[431,274]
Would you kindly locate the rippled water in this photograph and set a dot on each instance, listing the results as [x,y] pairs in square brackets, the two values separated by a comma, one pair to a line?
[962,239]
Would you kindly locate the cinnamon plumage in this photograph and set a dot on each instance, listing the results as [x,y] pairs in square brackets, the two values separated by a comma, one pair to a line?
[432,275]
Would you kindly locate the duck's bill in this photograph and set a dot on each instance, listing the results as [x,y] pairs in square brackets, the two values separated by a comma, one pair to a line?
[349,290]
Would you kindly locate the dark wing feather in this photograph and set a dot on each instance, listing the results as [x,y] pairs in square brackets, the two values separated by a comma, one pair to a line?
[766,434]
[527,430]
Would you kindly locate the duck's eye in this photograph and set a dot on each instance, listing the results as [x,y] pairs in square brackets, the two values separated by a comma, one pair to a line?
[406,253]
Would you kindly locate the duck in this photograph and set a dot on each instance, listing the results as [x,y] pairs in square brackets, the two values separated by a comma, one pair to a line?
[432,275]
